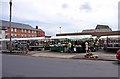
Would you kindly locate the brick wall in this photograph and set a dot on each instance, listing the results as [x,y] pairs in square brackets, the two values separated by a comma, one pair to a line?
[23,33]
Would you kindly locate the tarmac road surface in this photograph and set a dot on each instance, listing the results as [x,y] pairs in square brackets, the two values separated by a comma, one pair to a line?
[27,66]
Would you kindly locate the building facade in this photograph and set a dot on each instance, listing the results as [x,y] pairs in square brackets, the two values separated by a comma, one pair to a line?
[19,30]
[2,33]
[2,36]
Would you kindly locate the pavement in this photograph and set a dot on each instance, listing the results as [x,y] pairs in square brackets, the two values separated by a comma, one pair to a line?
[52,54]
[102,55]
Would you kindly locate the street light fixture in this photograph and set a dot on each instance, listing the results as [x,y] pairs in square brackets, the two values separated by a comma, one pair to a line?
[10,24]
[60,30]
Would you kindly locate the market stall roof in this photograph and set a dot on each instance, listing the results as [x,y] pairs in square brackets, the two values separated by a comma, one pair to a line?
[13,39]
[72,37]
[5,39]
[113,36]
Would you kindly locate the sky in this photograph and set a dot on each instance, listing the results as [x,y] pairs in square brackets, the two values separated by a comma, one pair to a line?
[71,15]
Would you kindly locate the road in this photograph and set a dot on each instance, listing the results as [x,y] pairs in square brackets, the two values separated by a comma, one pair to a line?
[27,66]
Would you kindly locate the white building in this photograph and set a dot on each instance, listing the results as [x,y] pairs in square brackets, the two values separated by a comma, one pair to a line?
[2,36]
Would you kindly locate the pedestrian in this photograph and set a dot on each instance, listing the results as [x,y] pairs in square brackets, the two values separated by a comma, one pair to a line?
[97,44]
[86,47]
[27,48]
[65,48]
[69,47]
[75,48]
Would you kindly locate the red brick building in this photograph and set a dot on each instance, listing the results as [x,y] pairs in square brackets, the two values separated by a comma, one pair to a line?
[19,30]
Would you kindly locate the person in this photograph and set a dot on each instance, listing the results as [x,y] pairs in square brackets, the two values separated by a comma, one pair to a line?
[83,47]
[27,50]
[74,48]
[86,47]
[97,44]
[92,46]
[65,48]
[69,47]
[7,45]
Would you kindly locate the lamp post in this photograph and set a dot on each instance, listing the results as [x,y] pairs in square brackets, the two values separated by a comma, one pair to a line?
[60,30]
[10,24]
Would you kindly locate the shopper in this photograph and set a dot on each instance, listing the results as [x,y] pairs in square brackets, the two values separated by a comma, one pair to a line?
[86,47]
[69,47]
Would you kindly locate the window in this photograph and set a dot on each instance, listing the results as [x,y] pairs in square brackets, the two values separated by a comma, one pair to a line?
[15,35]
[12,35]
[28,31]
[12,29]
[15,29]
[33,31]
[21,30]
[25,31]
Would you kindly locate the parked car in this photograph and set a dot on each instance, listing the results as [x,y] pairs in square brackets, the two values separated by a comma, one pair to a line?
[118,55]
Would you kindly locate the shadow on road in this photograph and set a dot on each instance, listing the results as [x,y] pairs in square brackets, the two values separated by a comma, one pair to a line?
[116,63]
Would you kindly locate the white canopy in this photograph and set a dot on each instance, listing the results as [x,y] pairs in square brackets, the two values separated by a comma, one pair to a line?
[33,38]
[71,37]
[114,36]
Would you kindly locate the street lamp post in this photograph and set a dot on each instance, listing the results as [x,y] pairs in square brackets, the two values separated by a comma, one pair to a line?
[10,24]
[60,30]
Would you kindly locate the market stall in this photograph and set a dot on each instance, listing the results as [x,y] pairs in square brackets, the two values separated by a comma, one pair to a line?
[61,43]
[57,48]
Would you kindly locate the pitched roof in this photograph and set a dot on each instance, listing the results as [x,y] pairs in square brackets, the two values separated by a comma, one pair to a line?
[102,27]
[15,25]
[18,25]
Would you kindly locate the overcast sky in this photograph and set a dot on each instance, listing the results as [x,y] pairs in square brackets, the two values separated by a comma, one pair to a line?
[71,15]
